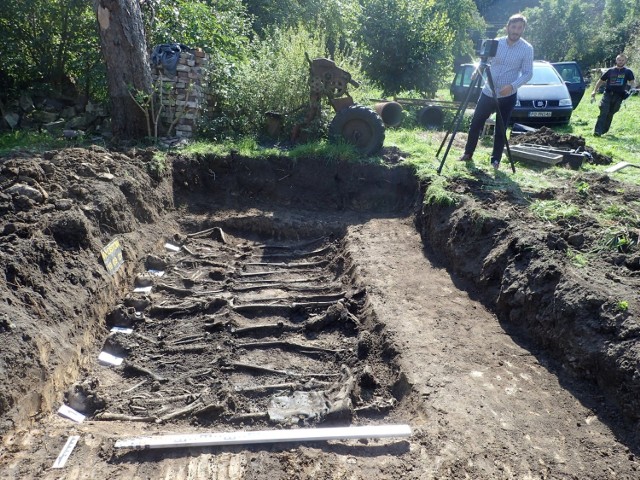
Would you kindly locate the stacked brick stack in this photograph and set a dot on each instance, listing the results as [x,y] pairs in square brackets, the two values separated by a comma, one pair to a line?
[183,95]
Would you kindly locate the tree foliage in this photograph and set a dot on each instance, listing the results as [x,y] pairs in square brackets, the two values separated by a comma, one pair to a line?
[555,33]
[336,17]
[565,29]
[48,42]
[620,23]
[220,27]
[464,20]
[405,44]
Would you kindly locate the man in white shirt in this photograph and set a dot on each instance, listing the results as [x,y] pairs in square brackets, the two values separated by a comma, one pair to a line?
[511,68]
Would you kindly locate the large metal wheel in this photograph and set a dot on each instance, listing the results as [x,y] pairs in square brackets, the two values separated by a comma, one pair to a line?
[359,126]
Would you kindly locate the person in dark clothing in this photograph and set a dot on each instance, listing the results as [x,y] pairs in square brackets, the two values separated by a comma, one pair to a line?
[615,80]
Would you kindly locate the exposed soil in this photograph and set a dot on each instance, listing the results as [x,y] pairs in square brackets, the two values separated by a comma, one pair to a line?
[308,294]
[544,136]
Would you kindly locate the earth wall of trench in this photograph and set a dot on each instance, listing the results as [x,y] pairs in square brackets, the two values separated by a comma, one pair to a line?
[58,298]
[515,265]
[518,271]
[55,289]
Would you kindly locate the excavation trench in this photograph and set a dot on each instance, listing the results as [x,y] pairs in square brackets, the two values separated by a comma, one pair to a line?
[270,294]
[243,328]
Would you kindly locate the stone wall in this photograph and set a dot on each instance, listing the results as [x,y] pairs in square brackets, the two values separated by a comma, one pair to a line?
[183,97]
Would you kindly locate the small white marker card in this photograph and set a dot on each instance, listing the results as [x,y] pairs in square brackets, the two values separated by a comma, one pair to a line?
[65,453]
[71,414]
[171,247]
[109,359]
[143,289]
[126,331]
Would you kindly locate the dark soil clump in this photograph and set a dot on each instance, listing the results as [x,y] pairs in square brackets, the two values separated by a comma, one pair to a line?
[547,137]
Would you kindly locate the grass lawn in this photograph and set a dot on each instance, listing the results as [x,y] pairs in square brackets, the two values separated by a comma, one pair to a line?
[622,143]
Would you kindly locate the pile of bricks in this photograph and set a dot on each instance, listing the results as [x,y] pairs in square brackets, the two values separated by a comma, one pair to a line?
[183,95]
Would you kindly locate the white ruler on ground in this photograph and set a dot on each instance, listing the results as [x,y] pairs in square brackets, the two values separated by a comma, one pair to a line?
[66,451]
[264,436]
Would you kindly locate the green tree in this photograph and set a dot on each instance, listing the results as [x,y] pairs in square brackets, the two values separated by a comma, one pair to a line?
[557,30]
[405,45]
[220,27]
[564,29]
[464,20]
[267,14]
[48,42]
[337,16]
[620,18]
[337,19]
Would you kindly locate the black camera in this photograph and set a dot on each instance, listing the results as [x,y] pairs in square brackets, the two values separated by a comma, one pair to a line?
[488,48]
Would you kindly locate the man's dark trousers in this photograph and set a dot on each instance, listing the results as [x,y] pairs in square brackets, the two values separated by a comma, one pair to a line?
[485,107]
[609,106]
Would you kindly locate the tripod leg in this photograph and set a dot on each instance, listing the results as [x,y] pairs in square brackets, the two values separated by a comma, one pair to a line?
[460,112]
[455,123]
[499,120]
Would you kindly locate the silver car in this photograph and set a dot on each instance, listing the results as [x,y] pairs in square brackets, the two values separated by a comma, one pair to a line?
[544,99]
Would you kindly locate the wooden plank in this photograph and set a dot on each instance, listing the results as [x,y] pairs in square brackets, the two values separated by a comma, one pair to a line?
[264,436]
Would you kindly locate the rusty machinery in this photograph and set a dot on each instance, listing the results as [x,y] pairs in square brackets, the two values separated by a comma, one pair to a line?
[353,123]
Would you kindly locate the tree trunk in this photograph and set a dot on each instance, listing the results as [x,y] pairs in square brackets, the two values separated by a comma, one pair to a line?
[124,49]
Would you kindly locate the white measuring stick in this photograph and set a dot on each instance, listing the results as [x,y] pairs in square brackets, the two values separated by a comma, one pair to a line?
[264,436]
[65,453]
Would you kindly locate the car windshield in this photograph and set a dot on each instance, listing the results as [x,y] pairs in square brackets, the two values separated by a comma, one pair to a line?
[544,75]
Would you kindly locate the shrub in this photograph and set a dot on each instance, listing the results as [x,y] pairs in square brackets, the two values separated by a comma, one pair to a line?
[273,79]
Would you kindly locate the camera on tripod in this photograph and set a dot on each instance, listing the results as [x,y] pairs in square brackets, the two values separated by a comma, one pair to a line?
[488,48]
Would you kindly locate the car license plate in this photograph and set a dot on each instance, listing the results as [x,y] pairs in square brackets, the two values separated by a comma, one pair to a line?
[539,114]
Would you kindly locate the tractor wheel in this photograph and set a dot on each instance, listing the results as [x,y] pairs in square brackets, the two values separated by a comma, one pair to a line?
[359,126]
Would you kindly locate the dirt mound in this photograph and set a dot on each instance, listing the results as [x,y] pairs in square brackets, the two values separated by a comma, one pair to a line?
[58,211]
[547,137]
